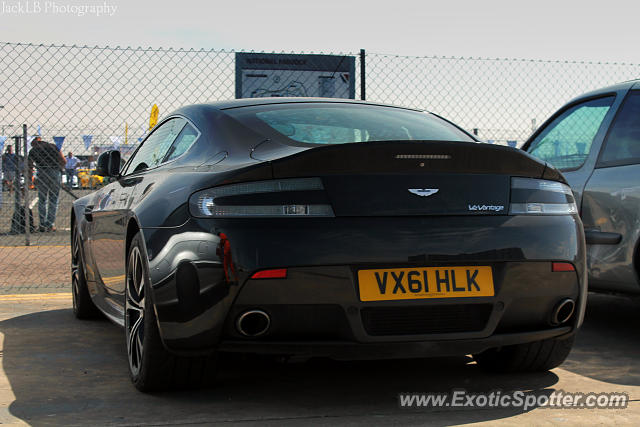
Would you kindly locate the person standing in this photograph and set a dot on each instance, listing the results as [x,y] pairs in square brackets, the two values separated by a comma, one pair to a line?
[70,168]
[49,162]
[9,167]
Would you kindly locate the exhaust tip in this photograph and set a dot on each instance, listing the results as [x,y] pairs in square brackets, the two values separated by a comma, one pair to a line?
[562,312]
[253,323]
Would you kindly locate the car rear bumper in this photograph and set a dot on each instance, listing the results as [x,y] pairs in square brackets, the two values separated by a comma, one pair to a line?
[201,281]
[391,350]
[323,303]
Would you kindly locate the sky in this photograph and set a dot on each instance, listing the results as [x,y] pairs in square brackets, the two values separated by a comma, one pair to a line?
[573,30]
[503,99]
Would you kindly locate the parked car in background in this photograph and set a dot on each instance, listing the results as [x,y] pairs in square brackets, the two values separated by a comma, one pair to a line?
[331,228]
[594,140]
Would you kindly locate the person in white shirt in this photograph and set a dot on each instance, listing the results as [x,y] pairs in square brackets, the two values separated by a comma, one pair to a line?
[70,168]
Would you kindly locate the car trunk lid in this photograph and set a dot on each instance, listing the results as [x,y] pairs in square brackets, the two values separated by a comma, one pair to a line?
[411,177]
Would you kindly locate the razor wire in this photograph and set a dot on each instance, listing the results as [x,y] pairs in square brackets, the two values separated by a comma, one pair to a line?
[85,100]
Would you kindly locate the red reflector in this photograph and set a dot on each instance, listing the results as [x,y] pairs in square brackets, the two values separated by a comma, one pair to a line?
[279,273]
[562,266]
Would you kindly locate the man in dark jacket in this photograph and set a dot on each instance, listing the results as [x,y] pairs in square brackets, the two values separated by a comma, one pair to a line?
[49,162]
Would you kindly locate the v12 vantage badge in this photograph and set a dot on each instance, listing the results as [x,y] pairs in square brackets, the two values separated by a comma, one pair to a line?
[493,208]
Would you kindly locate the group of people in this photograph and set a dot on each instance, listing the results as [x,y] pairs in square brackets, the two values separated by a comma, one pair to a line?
[49,161]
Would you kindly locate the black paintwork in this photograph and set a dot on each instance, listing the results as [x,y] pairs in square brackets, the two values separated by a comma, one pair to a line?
[199,287]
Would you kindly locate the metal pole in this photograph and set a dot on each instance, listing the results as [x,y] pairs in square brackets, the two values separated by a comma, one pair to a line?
[363,82]
[16,183]
[27,182]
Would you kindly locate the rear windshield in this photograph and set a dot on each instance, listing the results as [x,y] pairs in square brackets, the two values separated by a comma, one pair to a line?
[326,123]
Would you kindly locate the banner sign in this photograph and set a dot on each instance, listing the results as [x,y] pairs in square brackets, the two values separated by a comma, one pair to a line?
[29,141]
[58,140]
[260,75]
[143,134]
[153,119]
[87,141]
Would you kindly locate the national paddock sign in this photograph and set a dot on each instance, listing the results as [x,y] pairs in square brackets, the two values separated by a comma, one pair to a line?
[260,75]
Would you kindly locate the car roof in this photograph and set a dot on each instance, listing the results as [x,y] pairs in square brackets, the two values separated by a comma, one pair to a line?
[250,102]
[608,89]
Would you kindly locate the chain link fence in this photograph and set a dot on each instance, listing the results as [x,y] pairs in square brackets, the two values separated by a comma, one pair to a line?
[85,100]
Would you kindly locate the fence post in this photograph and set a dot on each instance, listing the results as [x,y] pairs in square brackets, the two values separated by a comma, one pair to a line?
[363,82]
[16,184]
[27,217]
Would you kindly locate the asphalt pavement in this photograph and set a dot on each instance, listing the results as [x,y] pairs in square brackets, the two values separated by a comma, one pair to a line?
[38,262]
[57,370]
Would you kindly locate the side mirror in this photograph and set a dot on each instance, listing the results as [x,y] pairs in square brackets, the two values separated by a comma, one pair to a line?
[108,163]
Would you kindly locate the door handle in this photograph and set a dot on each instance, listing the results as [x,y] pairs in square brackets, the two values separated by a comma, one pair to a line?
[88,213]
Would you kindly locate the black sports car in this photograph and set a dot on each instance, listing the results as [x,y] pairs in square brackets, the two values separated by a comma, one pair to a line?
[331,228]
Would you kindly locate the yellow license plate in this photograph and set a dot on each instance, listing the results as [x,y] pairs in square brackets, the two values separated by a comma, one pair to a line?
[425,282]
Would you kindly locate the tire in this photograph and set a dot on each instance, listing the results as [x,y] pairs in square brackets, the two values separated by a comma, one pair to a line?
[83,306]
[151,366]
[530,357]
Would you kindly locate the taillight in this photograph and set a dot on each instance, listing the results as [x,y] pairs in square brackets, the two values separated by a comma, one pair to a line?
[541,197]
[278,273]
[296,197]
[562,266]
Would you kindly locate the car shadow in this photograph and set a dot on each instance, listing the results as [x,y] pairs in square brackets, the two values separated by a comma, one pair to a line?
[64,371]
[609,333]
